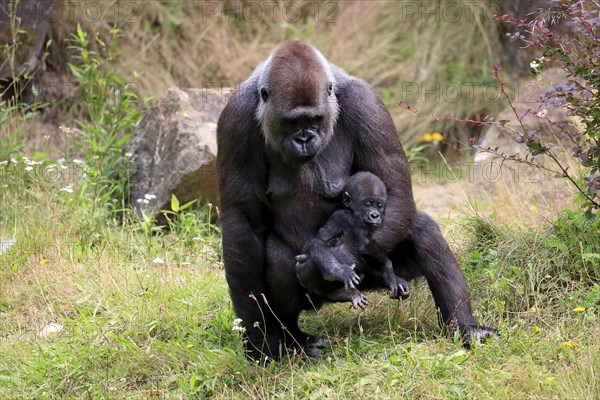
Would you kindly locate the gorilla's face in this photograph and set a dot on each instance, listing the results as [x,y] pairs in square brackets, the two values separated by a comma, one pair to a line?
[301,138]
[298,107]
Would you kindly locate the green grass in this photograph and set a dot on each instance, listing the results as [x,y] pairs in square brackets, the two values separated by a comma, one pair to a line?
[135,328]
[145,313]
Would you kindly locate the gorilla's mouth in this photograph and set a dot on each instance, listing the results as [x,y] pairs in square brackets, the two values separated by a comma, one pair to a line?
[303,149]
[307,154]
[373,224]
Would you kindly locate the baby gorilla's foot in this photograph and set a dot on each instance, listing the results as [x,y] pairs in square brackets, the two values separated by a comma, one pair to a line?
[399,289]
[352,295]
[359,300]
[398,286]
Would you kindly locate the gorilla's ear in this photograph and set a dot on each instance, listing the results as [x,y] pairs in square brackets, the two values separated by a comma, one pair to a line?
[346,199]
[329,88]
[264,94]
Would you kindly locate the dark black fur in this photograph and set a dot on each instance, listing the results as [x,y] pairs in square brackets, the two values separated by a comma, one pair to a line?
[328,261]
[282,165]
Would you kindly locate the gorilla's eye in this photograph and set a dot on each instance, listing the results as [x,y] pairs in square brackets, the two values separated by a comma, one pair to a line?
[379,205]
[264,94]
[329,88]
[368,203]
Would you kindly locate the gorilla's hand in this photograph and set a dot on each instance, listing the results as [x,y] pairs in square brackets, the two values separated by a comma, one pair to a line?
[344,274]
[315,346]
[474,334]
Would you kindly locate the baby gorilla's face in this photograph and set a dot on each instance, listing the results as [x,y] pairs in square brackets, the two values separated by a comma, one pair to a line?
[371,211]
[365,195]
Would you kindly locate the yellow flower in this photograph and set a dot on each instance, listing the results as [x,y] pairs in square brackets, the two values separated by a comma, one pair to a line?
[189,346]
[579,309]
[572,345]
[536,329]
[503,302]
[427,137]
[533,208]
[43,261]
[437,137]
[533,309]
[550,379]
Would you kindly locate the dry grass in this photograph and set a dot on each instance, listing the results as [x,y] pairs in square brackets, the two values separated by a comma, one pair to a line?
[390,44]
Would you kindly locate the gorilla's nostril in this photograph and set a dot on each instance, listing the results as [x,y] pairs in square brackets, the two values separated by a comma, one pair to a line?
[374,215]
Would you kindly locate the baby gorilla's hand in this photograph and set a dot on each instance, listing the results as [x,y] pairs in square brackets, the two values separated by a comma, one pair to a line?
[399,288]
[346,275]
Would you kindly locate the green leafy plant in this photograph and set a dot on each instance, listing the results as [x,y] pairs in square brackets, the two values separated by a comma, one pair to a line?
[112,109]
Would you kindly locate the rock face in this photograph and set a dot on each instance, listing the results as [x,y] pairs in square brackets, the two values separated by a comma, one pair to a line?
[526,98]
[29,19]
[174,150]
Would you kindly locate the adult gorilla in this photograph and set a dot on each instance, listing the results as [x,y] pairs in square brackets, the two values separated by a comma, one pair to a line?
[288,139]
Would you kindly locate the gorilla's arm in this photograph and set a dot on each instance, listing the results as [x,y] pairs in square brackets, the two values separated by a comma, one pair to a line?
[425,252]
[377,149]
[242,182]
[329,253]
[339,223]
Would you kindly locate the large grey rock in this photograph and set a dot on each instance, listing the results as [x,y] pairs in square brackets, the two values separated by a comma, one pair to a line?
[29,19]
[526,99]
[174,150]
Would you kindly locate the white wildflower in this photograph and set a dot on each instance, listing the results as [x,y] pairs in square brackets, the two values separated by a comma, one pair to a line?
[68,131]
[78,162]
[237,325]
[27,161]
[149,196]
[29,168]
[4,246]
[158,260]
[3,163]
[68,189]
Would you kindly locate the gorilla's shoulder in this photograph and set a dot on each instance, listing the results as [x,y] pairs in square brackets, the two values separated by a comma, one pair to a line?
[244,100]
[354,93]
[236,117]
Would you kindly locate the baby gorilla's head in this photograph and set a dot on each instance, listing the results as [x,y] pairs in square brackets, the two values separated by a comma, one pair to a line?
[365,195]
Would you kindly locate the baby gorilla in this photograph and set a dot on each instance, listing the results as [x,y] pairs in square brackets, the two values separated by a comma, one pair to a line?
[327,264]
